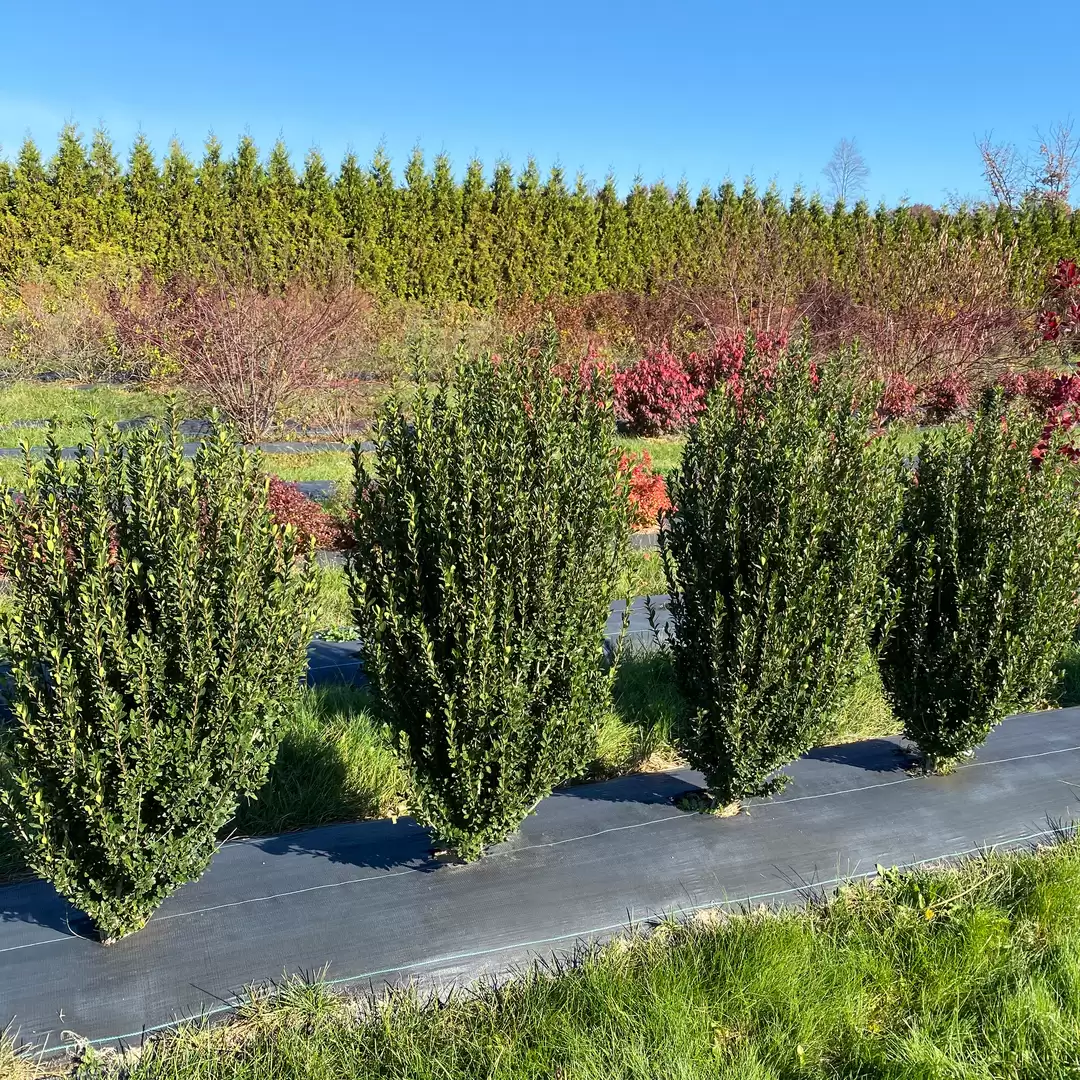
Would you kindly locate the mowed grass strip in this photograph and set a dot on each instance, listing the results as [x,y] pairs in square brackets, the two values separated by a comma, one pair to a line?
[69,406]
[967,972]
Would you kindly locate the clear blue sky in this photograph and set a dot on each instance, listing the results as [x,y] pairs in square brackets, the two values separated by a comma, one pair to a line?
[695,90]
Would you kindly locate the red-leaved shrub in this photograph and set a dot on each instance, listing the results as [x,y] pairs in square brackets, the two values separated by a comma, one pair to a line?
[724,363]
[647,490]
[1047,390]
[290,506]
[898,395]
[1067,419]
[656,395]
[1059,321]
[946,396]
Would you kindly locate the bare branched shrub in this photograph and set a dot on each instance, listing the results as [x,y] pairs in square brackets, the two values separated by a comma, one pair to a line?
[59,322]
[931,307]
[248,352]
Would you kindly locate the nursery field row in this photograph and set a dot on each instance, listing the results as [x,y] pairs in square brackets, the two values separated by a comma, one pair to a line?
[153,595]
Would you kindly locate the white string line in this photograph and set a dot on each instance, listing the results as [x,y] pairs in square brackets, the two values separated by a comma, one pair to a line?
[907,779]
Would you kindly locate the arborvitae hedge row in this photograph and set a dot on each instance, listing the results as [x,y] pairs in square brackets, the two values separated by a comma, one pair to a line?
[489,236]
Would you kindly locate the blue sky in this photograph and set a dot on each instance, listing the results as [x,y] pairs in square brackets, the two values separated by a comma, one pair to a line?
[695,90]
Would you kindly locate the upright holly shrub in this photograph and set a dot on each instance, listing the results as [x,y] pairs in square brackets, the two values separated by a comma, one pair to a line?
[158,630]
[987,577]
[489,535]
[775,561]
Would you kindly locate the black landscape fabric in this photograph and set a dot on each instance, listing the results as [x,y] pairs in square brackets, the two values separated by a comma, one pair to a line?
[367,903]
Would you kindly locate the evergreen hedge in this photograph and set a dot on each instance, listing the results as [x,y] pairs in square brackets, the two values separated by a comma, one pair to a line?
[489,538]
[775,557]
[158,630]
[987,575]
[490,236]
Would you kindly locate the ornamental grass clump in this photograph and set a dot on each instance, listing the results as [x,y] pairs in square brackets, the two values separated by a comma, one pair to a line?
[775,561]
[490,532]
[158,632]
[987,577]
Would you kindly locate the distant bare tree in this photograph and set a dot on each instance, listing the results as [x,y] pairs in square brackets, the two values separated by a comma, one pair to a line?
[1006,172]
[1058,153]
[1013,178]
[846,171]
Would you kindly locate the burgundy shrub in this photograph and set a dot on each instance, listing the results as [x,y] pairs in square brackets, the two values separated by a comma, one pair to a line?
[898,397]
[1047,391]
[1059,320]
[725,362]
[288,505]
[1066,419]
[945,397]
[656,396]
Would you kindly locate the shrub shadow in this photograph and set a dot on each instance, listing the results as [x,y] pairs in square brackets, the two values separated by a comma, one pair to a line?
[649,788]
[873,755]
[37,902]
[383,844]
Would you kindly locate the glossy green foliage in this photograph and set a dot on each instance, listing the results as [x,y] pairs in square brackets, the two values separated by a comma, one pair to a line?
[490,535]
[988,578]
[157,631]
[775,559]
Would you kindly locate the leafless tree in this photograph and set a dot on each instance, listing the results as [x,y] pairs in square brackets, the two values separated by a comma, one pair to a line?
[846,171]
[1058,152]
[1013,178]
[1005,171]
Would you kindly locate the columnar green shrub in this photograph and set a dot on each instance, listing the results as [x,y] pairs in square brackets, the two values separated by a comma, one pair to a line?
[987,577]
[489,538]
[775,557]
[158,631]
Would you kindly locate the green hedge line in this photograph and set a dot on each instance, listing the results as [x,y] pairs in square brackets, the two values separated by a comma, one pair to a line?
[491,235]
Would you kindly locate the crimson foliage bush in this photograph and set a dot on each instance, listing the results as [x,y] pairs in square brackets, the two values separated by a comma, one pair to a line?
[945,397]
[726,360]
[1059,321]
[656,395]
[290,506]
[898,397]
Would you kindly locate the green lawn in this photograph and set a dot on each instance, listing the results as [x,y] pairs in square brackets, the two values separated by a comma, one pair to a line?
[968,972]
[69,407]
[666,452]
[333,465]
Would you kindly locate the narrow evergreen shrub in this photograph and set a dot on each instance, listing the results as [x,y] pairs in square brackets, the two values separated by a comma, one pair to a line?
[488,540]
[988,578]
[775,560]
[158,631]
